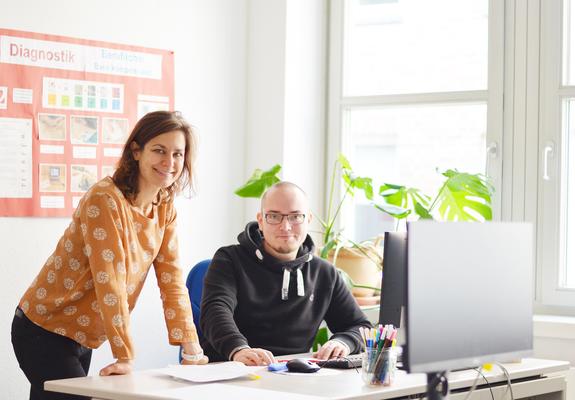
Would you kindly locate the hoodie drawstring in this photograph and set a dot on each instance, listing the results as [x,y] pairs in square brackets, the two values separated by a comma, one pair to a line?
[300,288]
[285,284]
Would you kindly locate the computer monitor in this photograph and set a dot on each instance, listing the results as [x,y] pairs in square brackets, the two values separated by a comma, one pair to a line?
[469,294]
[393,278]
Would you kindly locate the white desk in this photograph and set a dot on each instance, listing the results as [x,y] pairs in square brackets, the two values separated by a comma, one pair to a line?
[531,379]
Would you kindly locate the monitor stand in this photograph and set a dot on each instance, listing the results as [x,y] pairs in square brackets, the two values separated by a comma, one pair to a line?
[437,387]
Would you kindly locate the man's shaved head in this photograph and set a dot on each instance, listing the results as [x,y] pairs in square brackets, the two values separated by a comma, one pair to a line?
[280,186]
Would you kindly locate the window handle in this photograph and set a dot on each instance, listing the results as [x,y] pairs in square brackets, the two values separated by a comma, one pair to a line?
[490,152]
[548,152]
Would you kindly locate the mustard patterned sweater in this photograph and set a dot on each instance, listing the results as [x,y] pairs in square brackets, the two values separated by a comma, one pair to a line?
[91,282]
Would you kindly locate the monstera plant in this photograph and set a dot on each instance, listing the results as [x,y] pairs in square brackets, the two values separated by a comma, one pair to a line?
[462,197]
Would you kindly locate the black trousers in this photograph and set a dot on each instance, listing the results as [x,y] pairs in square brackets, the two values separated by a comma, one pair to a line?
[45,356]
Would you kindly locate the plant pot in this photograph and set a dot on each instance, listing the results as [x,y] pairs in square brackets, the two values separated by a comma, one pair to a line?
[362,269]
[367,300]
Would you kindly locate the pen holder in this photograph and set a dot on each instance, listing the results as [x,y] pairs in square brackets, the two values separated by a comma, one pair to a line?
[378,366]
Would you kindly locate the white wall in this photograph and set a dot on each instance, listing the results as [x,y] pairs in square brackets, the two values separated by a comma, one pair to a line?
[209,40]
[554,339]
[286,89]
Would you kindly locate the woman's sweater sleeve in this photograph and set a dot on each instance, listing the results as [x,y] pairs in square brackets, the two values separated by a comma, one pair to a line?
[174,294]
[102,228]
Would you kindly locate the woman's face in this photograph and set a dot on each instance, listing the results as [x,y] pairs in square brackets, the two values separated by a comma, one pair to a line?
[161,161]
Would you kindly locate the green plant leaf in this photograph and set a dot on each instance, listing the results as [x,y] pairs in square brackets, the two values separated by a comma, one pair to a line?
[320,338]
[320,220]
[343,162]
[327,248]
[403,201]
[259,182]
[478,184]
[422,212]
[366,185]
[358,182]
[394,211]
[465,197]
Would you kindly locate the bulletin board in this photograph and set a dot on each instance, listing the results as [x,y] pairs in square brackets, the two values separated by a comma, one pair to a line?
[66,108]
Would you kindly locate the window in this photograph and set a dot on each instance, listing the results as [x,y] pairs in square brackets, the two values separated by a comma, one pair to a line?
[557,154]
[417,86]
[415,89]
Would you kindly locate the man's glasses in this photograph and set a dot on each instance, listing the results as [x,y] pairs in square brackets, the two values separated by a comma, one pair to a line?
[276,219]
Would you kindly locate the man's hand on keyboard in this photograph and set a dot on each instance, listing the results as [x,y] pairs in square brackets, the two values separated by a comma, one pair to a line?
[332,349]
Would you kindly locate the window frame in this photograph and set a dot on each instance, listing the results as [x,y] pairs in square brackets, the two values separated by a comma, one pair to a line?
[524,73]
[551,297]
[339,105]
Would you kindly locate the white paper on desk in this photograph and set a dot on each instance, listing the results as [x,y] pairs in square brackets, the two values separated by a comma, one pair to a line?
[210,372]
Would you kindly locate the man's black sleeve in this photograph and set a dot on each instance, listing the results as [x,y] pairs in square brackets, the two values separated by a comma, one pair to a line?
[219,301]
[344,317]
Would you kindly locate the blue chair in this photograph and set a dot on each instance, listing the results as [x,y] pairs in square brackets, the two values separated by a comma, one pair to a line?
[195,283]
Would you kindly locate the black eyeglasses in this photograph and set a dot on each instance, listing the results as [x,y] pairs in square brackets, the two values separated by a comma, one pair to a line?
[276,219]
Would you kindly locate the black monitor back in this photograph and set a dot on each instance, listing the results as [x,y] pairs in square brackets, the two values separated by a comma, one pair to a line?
[393,284]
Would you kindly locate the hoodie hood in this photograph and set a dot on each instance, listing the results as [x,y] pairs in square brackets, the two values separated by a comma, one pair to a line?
[251,239]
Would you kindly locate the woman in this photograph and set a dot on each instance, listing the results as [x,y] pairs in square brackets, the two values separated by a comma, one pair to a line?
[84,293]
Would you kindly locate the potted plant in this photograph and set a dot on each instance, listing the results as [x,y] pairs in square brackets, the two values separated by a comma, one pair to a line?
[359,263]
[462,197]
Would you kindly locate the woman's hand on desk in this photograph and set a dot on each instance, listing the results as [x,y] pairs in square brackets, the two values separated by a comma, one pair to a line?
[253,357]
[192,354]
[120,367]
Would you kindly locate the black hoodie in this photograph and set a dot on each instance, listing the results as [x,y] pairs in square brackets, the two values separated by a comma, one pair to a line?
[243,304]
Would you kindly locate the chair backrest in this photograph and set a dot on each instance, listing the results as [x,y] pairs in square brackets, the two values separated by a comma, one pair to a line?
[195,283]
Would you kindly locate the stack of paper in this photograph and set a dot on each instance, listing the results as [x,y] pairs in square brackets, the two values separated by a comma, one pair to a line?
[210,372]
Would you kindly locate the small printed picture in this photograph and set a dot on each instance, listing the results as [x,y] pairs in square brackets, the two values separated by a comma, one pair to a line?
[83,177]
[145,107]
[51,127]
[52,177]
[114,130]
[108,170]
[3,97]
[84,130]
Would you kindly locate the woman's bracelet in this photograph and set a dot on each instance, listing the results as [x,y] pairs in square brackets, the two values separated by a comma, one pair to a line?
[192,357]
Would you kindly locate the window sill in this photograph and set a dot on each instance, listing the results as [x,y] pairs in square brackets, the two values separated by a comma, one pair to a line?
[554,326]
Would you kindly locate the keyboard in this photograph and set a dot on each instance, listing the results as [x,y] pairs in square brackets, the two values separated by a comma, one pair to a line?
[351,361]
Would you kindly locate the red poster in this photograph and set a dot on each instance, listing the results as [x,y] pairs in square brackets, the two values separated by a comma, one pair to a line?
[66,108]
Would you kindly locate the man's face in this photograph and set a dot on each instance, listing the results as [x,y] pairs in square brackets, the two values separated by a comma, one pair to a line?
[282,240]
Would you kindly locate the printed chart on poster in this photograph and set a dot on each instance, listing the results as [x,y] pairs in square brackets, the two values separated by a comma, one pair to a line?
[66,108]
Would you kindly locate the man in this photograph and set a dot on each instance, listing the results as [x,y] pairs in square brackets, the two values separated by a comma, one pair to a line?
[267,295]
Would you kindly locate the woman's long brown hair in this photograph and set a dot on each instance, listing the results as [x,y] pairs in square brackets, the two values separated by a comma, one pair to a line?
[148,127]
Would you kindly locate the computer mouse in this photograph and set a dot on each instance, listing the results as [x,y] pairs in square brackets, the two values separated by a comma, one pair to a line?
[301,365]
